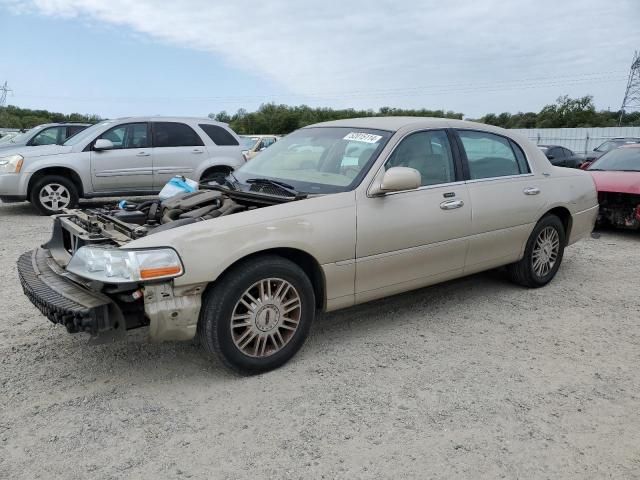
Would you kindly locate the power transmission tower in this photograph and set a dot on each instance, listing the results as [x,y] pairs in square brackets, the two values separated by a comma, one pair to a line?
[3,94]
[632,94]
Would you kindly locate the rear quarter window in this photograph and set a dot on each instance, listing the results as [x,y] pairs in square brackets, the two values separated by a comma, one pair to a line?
[219,135]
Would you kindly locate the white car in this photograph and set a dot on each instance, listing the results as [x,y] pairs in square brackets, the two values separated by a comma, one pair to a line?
[127,156]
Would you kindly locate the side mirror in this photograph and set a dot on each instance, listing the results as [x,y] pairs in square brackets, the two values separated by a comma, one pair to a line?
[102,144]
[397,179]
[262,149]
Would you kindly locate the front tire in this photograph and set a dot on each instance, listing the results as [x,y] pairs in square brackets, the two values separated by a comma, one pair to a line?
[258,315]
[543,254]
[52,193]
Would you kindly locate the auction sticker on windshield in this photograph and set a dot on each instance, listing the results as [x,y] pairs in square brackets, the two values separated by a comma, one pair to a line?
[363,137]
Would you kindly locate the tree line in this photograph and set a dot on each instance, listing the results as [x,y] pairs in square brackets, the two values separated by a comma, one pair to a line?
[25,118]
[282,119]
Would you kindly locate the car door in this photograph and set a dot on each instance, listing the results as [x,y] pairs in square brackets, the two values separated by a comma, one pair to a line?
[127,167]
[177,150]
[414,238]
[506,198]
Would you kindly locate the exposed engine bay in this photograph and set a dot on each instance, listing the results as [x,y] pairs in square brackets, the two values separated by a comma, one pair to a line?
[126,221]
[620,210]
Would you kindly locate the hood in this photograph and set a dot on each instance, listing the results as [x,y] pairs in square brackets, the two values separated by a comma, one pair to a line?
[9,146]
[620,182]
[31,152]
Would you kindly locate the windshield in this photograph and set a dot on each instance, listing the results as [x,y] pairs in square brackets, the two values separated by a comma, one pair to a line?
[86,134]
[622,159]
[23,137]
[612,144]
[318,160]
[247,143]
[7,137]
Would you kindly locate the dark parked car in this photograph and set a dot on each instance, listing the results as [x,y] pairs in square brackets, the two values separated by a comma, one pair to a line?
[607,146]
[562,156]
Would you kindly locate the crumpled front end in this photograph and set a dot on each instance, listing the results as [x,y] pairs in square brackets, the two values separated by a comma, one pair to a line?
[619,210]
[104,311]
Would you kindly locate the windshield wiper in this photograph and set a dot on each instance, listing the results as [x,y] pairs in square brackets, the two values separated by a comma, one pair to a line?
[284,186]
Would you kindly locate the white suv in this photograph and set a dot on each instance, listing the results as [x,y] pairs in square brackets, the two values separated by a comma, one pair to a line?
[127,156]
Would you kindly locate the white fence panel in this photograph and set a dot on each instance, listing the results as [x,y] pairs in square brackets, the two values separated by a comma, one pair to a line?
[580,140]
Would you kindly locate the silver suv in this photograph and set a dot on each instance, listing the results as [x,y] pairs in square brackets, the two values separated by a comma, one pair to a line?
[127,156]
[46,134]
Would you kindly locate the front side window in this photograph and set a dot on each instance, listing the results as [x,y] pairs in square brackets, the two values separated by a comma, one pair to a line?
[131,135]
[429,153]
[49,136]
[490,155]
[174,134]
[318,159]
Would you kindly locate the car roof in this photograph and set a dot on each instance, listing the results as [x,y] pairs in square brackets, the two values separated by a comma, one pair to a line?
[159,118]
[630,145]
[391,124]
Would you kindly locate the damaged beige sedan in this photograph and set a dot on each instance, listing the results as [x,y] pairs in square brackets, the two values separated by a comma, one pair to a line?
[333,215]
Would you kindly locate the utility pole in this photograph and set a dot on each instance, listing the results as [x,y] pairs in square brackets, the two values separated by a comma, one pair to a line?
[632,94]
[3,94]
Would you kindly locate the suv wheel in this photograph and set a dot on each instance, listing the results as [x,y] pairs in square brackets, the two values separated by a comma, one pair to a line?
[258,316]
[215,174]
[52,193]
[542,256]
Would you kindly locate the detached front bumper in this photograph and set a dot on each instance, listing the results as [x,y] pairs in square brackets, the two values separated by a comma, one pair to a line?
[62,300]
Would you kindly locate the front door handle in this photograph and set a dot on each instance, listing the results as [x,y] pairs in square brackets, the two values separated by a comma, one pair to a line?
[197,150]
[531,191]
[142,154]
[451,204]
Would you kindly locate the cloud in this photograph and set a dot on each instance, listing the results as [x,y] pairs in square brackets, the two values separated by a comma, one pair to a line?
[386,49]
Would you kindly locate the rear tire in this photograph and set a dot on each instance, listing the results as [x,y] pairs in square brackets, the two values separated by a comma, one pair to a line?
[543,254]
[52,193]
[258,315]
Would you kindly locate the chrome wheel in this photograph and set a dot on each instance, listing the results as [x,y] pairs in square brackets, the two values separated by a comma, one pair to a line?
[545,251]
[55,197]
[266,317]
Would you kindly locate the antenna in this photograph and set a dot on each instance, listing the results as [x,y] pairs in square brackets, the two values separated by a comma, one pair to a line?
[3,94]
[632,94]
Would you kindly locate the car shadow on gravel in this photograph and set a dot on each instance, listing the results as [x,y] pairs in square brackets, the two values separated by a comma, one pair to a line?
[188,361]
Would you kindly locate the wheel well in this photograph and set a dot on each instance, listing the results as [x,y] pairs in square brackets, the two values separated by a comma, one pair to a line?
[61,171]
[217,168]
[565,217]
[309,265]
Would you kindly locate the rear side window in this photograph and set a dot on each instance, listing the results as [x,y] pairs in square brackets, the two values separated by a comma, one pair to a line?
[218,135]
[174,134]
[491,155]
[73,129]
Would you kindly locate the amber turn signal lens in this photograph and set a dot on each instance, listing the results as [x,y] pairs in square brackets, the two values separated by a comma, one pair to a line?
[150,273]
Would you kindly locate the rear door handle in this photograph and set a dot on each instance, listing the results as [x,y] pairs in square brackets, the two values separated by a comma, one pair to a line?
[451,204]
[142,154]
[197,150]
[531,191]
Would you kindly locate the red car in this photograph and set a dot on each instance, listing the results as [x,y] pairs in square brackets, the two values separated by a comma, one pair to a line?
[617,178]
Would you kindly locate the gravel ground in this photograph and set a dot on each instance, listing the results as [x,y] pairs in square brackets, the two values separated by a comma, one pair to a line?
[475,378]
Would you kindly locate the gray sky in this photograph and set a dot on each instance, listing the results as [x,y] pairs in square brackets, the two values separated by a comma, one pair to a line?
[469,56]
